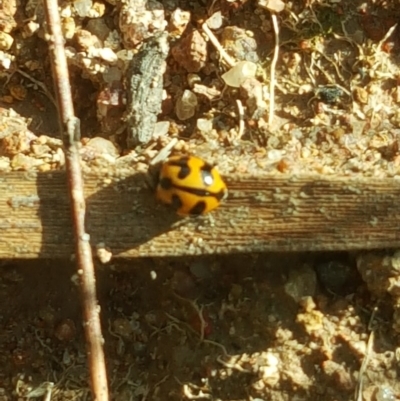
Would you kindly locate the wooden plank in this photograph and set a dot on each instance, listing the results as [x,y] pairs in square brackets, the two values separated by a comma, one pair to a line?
[262,214]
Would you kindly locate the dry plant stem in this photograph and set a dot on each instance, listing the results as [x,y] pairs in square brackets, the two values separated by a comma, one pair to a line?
[226,57]
[241,118]
[38,83]
[69,125]
[273,67]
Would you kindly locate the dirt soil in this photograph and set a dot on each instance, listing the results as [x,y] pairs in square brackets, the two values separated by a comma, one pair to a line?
[248,327]
[239,327]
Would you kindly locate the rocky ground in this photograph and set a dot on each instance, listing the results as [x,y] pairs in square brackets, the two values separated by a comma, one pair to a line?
[323,99]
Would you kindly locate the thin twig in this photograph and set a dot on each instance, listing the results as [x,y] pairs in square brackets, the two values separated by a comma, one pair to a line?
[273,67]
[241,118]
[69,126]
[368,352]
[226,57]
[39,84]
[363,368]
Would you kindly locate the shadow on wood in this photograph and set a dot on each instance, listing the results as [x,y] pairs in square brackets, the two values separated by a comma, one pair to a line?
[263,213]
[121,214]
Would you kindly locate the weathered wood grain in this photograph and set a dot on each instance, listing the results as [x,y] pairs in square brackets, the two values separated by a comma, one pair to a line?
[261,214]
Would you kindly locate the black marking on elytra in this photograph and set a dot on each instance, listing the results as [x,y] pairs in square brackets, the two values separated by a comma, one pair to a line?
[184,172]
[166,183]
[182,163]
[201,192]
[176,202]
[199,208]
[207,167]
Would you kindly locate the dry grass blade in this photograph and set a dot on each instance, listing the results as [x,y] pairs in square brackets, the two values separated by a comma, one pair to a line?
[69,126]
[273,67]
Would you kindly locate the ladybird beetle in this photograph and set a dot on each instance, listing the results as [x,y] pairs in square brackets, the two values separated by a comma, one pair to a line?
[190,185]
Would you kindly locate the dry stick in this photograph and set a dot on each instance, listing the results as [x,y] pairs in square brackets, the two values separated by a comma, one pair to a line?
[225,56]
[70,129]
[273,66]
[241,119]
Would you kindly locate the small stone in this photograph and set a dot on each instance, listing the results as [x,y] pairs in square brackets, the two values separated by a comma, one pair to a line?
[105,54]
[83,7]
[178,21]
[98,9]
[274,155]
[18,91]
[215,21]
[103,253]
[5,60]
[140,20]
[54,143]
[122,327]
[68,27]
[40,150]
[239,73]
[184,284]
[161,129]
[86,41]
[341,377]
[272,5]
[385,393]
[24,162]
[6,41]
[186,105]
[252,90]
[302,283]
[113,41]
[4,163]
[210,93]
[65,331]
[361,94]
[16,143]
[103,147]
[200,268]
[112,75]
[235,292]
[99,28]
[193,79]
[66,11]
[238,44]
[204,125]
[337,277]
[30,28]
[191,52]
[380,272]
[7,11]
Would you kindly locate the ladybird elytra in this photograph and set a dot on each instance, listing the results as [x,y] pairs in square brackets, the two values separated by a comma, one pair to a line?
[190,185]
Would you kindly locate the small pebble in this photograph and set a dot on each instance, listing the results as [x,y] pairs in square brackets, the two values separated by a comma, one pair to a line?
[204,125]
[83,7]
[200,269]
[337,277]
[178,21]
[186,105]
[103,146]
[65,330]
[161,129]
[302,282]
[191,52]
[239,44]
[6,41]
[215,21]
[239,73]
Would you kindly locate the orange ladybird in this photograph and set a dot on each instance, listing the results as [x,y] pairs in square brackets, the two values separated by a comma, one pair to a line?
[190,185]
